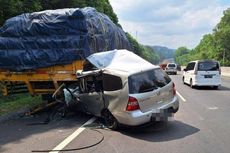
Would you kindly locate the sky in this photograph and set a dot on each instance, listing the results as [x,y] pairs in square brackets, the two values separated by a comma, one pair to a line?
[170,23]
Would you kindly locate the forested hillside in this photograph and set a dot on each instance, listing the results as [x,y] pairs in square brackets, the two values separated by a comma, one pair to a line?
[212,46]
[144,51]
[163,52]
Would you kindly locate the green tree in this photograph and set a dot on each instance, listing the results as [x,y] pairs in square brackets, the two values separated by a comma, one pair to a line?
[31,6]
[10,8]
[181,51]
[134,44]
[212,46]
[222,38]
[181,55]
[206,48]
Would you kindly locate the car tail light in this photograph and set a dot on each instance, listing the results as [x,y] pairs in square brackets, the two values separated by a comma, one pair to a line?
[174,89]
[132,104]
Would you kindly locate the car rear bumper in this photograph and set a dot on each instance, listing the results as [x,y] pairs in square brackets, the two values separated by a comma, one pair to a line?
[170,71]
[137,117]
[210,82]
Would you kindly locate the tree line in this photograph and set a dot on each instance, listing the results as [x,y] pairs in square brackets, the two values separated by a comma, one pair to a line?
[145,52]
[212,46]
[11,8]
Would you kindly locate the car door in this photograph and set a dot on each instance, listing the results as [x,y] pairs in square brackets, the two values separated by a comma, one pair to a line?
[91,98]
[189,71]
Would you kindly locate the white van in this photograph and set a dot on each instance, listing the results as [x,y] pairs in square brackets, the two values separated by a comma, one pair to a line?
[171,68]
[203,73]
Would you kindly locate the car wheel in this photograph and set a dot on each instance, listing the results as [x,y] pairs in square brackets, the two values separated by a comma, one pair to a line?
[110,121]
[191,84]
[215,87]
[183,80]
[175,110]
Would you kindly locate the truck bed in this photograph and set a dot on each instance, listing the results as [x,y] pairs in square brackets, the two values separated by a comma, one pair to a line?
[39,81]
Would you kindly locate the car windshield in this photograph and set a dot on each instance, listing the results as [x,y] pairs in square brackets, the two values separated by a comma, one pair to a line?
[147,81]
[172,65]
[208,66]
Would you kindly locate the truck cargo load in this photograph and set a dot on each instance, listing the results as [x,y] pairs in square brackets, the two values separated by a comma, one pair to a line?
[56,37]
[41,51]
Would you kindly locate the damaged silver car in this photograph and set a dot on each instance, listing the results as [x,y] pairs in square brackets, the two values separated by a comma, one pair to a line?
[123,88]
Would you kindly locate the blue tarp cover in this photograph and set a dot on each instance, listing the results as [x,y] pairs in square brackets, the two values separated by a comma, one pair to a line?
[56,37]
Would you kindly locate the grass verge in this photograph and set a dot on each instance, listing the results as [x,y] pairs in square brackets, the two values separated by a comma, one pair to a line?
[16,102]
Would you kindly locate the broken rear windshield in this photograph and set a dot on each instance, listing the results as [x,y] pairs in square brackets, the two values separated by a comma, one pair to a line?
[147,81]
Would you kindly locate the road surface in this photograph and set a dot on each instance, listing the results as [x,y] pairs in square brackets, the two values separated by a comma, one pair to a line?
[202,125]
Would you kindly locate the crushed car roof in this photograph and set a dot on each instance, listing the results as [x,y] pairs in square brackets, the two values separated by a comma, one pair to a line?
[121,60]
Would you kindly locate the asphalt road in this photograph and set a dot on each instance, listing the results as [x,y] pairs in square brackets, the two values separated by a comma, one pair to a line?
[202,125]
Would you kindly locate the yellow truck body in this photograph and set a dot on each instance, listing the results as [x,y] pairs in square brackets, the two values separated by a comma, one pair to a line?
[40,81]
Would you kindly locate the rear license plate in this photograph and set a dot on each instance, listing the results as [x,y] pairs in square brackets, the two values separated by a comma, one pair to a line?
[207,76]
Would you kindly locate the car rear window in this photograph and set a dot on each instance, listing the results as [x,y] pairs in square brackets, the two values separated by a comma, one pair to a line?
[171,65]
[208,66]
[147,81]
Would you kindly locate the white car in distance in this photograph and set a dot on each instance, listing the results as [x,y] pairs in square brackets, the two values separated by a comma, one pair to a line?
[203,73]
[171,68]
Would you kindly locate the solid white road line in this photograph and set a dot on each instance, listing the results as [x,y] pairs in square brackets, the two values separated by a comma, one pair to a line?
[213,108]
[181,97]
[70,138]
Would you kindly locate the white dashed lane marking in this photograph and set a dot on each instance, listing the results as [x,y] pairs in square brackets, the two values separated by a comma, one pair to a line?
[181,97]
[70,138]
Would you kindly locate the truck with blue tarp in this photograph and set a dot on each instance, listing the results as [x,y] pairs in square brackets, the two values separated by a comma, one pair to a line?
[39,51]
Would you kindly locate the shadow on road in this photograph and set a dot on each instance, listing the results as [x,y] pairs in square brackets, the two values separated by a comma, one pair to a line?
[14,131]
[162,131]
[222,88]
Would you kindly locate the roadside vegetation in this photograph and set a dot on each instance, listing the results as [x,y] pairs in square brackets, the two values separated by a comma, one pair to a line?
[16,102]
[212,46]
[145,52]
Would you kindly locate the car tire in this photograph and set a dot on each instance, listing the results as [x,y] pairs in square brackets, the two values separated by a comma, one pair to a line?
[183,80]
[191,83]
[215,87]
[175,110]
[110,121]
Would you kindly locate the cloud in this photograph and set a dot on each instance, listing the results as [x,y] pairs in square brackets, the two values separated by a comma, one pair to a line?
[171,23]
